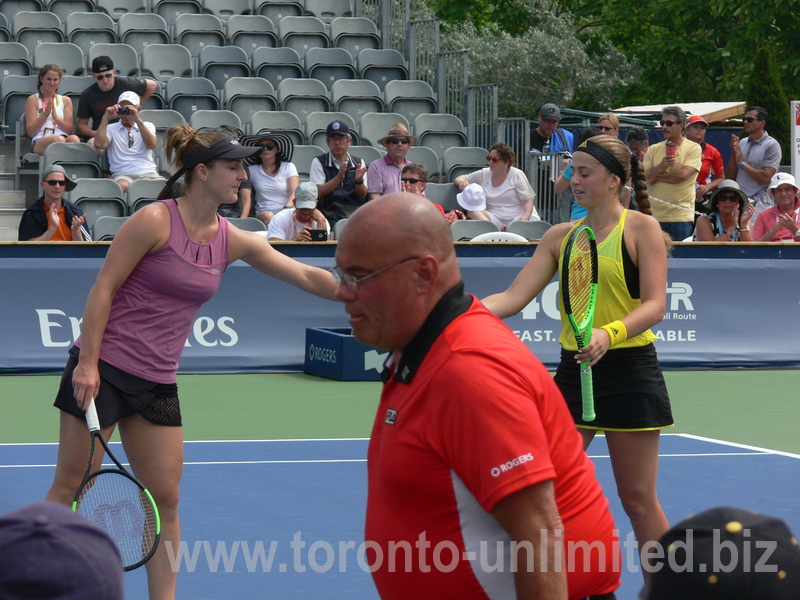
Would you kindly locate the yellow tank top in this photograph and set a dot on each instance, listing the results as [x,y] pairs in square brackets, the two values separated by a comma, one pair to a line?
[613,299]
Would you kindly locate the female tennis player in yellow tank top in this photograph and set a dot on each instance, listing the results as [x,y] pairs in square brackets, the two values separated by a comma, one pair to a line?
[631,399]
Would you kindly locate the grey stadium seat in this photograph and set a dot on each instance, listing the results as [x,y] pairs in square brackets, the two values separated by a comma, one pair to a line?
[14,60]
[163,62]
[142,192]
[276,64]
[126,61]
[382,65]
[98,198]
[354,34]
[248,223]
[443,194]
[72,87]
[64,8]
[368,153]
[465,230]
[195,32]
[9,8]
[88,29]
[190,94]
[302,157]
[105,228]
[374,126]
[141,30]
[499,236]
[214,118]
[278,9]
[409,98]
[68,56]
[14,92]
[116,8]
[329,65]
[531,230]
[278,120]
[225,9]
[33,28]
[425,156]
[171,9]
[356,97]
[316,125]
[328,10]
[303,96]
[303,33]
[439,132]
[220,63]
[458,161]
[247,95]
[80,160]
[250,32]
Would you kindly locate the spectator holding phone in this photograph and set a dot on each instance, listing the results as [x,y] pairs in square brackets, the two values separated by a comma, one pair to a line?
[729,219]
[780,223]
[295,225]
[129,141]
[341,177]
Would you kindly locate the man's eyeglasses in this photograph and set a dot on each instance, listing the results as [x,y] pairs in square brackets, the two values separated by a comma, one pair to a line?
[399,141]
[410,180]
[268,146]
[728,197]
[104,76]
[751,119]
[492,159]
[55,182]
[670,123]
[352,282]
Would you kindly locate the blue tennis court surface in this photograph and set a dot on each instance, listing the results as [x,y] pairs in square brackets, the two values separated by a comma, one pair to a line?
[284,519]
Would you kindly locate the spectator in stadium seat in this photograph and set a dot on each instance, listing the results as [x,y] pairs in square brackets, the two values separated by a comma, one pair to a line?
[729,219]
[295,224]
[414,179]
[509,196]
[671,168]
[781,223]
[755,159]
[341,177]
[272,178]
[104,92]
[52,553]
[712,169]
[50,217]
[638,141]
[48,115]
[384,174]
[129,141]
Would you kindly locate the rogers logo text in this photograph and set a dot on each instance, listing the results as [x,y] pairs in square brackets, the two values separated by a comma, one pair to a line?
[497,471]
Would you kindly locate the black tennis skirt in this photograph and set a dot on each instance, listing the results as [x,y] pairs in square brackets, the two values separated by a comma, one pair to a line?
[121,395]
[629,390]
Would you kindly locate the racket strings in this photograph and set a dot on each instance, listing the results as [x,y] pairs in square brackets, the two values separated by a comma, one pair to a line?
[579,280]
[115,503]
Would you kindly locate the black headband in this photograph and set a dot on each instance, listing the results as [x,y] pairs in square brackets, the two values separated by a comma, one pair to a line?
[217,150]
[604,157]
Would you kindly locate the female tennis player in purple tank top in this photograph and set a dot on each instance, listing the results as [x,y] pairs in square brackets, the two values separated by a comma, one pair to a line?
[165,262]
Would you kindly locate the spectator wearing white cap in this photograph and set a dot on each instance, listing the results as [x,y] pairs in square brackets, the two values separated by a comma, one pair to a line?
[780,223]
[129,141]
[295,224]
[509,195]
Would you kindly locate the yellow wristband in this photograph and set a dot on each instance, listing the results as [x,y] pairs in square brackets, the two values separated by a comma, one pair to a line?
[617,332]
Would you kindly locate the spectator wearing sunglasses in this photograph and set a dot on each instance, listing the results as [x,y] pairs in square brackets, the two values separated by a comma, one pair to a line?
[729,219]
[414,179]
[272,178]
[104,92]
[671,168]
[50,217]
[129,141]
[384,174]
[509,195]
[781,223]
[755,159]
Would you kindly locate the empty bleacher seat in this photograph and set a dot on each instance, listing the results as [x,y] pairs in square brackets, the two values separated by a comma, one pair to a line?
[116,8]
[163,62]
[278,120]
[443,194]
[302,157]
[80,160]
[72,86]
[278,9]
[14,92]
[33,28]
[97,198]
[303,33]
[382,65]
[531,230]
[329,65]
[276,64]
[225,9]
[9,8]
[328,10]
[87,29]
[247,223]
[214,118]
[465,230]
[368,153]
[458,161]
[189,94]
[409,97]
[195,32]
[303,96]
[68,56]
[64,8]
[250,32]
[142,30]
[220,63]
[354,34]
[105,228]
[14,60]
[427,157]
[248,95]
[142,192]
[171,9]
[356,97]
[439,131]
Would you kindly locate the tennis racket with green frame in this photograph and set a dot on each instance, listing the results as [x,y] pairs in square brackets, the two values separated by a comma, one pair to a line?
[579,297]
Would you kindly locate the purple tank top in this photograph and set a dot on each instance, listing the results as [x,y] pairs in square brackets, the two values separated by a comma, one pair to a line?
[153,311]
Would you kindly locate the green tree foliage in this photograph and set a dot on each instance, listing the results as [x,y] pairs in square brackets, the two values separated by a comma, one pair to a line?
[546,63]
[764,89]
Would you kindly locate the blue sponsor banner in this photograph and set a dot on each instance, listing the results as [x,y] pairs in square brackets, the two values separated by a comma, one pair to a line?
[727,312]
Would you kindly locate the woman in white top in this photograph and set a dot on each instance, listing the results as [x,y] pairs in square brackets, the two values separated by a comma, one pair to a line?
[48,115]
[509,195]
[272,179]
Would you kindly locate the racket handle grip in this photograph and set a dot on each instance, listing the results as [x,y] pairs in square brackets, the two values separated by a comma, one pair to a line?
[587,393]
[92,420]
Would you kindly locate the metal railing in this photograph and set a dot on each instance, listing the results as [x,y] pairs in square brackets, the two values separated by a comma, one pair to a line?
[482,127]
[543,172]
[423,46]
[451,82]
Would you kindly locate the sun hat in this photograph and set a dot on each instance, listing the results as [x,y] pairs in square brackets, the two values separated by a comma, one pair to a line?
[726,553]
[397,130]
[52,553]
[728,185]
[282,141]
[305,196]
[780,178]
[472,198]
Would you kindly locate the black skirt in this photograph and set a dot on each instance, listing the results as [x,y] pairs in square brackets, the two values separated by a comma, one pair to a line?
[629,390]
[121,395]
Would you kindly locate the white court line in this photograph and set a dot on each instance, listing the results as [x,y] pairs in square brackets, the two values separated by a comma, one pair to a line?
[736,445]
